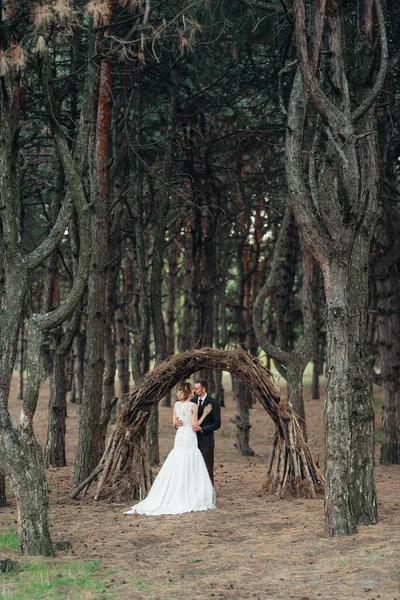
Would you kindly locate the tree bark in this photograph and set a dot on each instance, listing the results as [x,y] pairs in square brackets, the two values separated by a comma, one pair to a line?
[89,411]
[389,352]
[29,485]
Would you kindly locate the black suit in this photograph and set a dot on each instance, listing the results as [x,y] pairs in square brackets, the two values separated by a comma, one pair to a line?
[205,437]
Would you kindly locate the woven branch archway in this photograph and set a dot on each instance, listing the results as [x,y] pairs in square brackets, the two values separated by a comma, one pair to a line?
[124,467]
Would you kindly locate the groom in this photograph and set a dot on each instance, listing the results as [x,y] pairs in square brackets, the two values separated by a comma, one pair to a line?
[212,422]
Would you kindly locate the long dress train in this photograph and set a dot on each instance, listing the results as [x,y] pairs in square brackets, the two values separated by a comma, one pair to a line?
[183,484]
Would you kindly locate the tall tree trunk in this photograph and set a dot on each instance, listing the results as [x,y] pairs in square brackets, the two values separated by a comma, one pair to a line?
[20,456]
[109,400]
[385,286]
[89,411]
[159,225]
[173,268]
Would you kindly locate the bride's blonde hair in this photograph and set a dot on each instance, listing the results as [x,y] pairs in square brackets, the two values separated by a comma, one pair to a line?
[185,388]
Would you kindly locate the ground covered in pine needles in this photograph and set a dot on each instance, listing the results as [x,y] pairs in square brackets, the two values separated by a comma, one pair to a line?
[250,547]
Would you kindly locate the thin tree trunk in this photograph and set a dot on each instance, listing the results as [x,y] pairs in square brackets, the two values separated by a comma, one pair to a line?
[122,340]
[186,325]
[317,342]
[241,419]
[55,444]
[109,346]
[21,361]
[173,255]
[3,497]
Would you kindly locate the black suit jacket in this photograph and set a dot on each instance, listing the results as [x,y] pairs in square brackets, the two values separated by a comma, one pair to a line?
[211,423]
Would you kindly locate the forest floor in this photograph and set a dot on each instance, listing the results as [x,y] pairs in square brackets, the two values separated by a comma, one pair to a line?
[250,547]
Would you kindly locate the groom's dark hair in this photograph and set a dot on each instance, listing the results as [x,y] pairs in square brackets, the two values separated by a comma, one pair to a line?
[202,382]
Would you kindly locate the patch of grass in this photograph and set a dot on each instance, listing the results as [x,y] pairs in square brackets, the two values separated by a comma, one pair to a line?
[344,562]
[74,580]
[370,558]
[9,541]
[195,560]
[139,583]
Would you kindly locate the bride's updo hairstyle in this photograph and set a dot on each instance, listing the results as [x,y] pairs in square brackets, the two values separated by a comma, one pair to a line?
[184,390]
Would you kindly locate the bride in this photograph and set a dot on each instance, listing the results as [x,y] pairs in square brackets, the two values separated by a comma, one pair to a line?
[183,484]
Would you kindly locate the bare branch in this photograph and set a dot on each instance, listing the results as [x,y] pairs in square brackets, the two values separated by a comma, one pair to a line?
[276,353]
[380,79]
[328,111]
[37,256]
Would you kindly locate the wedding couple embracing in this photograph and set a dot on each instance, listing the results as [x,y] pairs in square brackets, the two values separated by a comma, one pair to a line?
[185,482]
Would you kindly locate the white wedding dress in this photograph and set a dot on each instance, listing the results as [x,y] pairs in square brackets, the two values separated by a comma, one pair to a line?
[183,484]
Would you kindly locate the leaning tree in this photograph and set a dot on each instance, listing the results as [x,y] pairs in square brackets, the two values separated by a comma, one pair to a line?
[124,468]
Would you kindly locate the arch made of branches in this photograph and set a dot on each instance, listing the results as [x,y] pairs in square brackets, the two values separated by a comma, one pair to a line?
[124,469]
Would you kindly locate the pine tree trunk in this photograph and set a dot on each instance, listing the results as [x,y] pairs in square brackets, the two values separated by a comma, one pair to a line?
[26,472]
[32,499]
[294,378]
[241,419]
[122,353]
[349,415]
[89,411]
[79,358]
[186,325]
[21,360]
[315,393]
[152,437]
[173,255]
[3,497]
[109,400]
[317,316]
[55,444]
[388,322]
